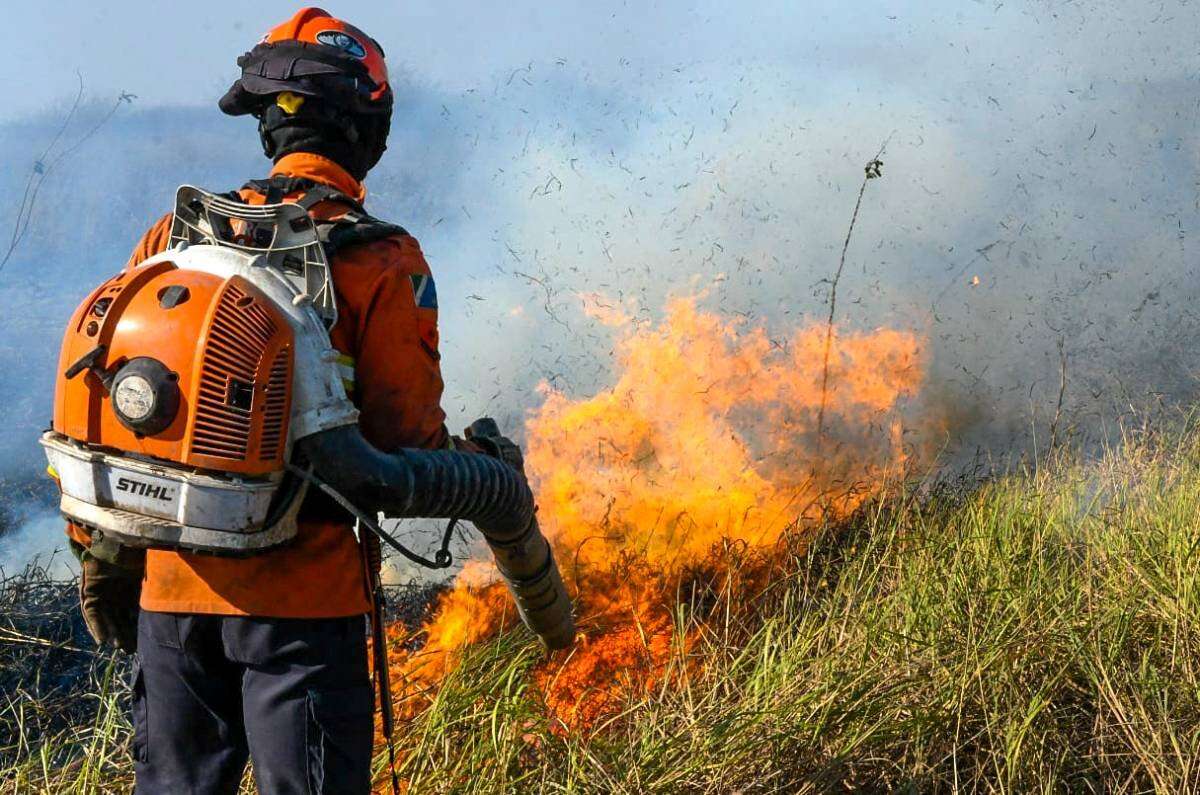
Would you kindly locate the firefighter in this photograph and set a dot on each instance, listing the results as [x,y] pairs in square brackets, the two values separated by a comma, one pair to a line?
[265,657]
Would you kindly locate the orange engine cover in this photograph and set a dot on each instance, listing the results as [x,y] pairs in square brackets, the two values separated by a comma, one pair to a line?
[225,344]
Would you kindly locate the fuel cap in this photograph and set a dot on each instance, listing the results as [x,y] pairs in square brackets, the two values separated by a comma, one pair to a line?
[145,395]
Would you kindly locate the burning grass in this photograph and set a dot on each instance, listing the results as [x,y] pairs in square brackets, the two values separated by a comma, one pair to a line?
[1035,632]
[770,602]
[708,438]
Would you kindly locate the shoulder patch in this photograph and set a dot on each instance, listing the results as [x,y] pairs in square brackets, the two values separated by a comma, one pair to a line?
[424,291]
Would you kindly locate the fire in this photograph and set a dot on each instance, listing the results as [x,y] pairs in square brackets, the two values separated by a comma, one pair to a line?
[707,438]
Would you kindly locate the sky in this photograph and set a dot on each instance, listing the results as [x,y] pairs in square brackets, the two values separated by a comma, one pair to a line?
[168,53]
[541,151]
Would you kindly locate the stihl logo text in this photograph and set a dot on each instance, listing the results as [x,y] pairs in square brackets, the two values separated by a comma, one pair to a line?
[145,489]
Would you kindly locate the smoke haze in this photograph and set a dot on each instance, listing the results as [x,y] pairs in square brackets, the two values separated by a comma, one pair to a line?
[1037,204]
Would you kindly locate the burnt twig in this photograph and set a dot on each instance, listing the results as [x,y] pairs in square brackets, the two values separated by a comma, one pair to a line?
[1062,391]
[872,170]
[41,168]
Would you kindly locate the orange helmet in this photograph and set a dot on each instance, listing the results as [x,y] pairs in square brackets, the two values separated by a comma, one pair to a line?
[313,55]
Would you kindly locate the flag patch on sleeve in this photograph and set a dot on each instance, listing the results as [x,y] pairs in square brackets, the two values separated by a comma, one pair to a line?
[424,292]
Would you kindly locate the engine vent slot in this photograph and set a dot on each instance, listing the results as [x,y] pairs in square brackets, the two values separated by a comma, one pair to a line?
[275,411]
[237,339]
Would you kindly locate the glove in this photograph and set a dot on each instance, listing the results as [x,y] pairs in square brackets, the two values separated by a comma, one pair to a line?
[485,434]
[109,591]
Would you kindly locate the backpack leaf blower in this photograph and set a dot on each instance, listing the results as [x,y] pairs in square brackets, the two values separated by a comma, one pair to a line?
[199,398]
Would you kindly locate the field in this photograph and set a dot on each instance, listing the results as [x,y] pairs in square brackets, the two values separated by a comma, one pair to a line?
[1035,631]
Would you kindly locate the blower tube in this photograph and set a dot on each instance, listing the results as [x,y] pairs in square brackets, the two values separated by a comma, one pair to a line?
[444,484]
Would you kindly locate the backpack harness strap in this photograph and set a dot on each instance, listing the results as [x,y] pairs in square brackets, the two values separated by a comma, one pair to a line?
[354,228]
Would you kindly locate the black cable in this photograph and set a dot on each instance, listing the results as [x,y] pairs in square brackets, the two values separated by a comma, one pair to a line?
[442,559]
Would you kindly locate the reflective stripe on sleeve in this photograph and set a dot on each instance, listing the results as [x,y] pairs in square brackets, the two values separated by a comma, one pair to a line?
[345,366]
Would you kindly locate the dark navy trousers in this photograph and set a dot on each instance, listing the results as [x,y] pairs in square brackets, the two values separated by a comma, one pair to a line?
[293,695]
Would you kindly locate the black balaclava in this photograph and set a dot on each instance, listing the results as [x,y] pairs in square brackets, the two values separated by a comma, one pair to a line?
[355,141]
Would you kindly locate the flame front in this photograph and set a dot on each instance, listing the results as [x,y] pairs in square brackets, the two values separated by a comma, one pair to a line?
[708,436]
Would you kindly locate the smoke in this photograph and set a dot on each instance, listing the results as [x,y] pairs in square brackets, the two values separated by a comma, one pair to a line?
[1034,217]
[1067,239]
[30,533]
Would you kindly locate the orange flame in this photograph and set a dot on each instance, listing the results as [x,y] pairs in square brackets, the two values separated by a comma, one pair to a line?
[708,435]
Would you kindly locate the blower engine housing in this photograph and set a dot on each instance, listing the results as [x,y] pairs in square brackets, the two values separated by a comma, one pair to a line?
[184,382]
[181,366]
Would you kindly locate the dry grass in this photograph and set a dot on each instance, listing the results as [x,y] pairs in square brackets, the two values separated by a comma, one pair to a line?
[1036,632]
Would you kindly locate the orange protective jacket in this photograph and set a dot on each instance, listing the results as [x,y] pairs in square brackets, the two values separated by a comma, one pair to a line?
[389,359]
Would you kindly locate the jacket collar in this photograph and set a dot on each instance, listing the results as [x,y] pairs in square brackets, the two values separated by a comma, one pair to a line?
[320,169]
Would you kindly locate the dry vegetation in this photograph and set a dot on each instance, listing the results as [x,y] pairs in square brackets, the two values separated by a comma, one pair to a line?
[1033,632]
